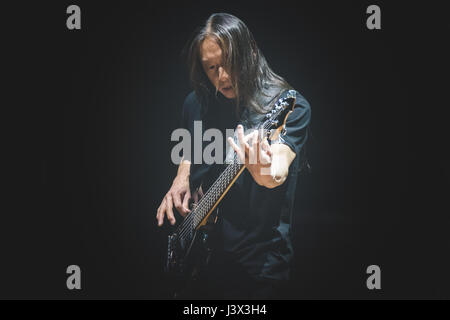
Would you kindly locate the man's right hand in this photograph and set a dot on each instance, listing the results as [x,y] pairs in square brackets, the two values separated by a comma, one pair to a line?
[178,196]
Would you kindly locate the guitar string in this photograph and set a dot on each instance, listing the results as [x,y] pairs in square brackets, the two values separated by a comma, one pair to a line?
[185,227]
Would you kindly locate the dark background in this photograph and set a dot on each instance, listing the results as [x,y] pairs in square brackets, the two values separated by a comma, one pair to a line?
[88,116]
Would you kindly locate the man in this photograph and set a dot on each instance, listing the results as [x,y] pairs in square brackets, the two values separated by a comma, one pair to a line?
[233,84]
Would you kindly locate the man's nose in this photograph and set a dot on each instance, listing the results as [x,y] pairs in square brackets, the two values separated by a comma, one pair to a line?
[223,75]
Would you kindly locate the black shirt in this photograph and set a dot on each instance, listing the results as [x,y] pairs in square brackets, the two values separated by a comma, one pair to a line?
[255,221]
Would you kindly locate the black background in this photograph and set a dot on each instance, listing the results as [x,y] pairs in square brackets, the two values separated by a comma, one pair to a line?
[88,116]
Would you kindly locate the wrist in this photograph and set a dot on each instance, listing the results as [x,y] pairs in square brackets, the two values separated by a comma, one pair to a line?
[184,170]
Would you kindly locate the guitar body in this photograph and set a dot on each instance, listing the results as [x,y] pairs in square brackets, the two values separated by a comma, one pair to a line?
[189,267]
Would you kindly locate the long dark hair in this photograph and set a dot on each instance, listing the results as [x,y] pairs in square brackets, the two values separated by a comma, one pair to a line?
[255,84]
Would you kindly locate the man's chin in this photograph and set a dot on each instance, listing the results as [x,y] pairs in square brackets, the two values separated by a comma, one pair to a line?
[229,94]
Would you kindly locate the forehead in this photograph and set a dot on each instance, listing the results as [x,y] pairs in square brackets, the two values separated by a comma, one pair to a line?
[210,50]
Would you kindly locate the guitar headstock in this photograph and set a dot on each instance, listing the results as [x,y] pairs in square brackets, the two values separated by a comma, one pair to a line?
[276,119]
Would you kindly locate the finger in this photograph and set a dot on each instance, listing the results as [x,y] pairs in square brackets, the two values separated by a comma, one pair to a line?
[169,210]
[265,158]
[240,134]
[249,137]
[196,197]
[266,147]
[236,148]
[261,135]
[253,152]
[160,213]
[177,200]
[265,144]
[265,153]
[258,144]
[187,197]
[243,140]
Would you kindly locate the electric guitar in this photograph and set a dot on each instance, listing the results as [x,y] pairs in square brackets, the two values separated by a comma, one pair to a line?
[189,246]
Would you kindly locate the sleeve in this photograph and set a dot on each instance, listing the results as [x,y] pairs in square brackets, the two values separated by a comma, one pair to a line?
[191,111]
[186,112]
[297,124]
[188,116]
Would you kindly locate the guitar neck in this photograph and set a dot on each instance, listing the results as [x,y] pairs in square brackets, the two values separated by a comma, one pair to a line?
[213,196]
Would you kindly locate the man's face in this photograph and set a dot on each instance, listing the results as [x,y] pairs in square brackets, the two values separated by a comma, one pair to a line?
[211,56]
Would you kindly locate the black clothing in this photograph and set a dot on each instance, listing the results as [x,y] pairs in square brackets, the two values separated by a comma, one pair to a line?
[254,221]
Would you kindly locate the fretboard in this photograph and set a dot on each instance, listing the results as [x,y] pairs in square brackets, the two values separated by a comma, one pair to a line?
[211,198]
